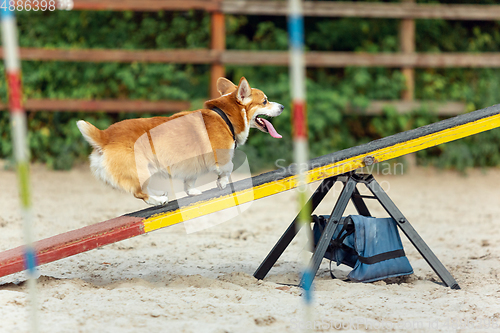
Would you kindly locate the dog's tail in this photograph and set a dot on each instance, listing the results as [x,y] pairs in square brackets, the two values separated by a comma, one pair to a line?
[92,134]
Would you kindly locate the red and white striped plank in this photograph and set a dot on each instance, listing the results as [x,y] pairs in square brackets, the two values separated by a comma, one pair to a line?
[73,242]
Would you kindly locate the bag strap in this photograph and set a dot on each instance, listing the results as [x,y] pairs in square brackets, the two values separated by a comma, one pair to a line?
[338,242]
[333,276]
[382,256]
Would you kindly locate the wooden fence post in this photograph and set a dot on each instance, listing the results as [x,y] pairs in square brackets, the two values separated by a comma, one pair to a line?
[407,44]
[218,44]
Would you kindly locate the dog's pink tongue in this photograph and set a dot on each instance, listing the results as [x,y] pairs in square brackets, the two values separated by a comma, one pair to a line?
[271,129]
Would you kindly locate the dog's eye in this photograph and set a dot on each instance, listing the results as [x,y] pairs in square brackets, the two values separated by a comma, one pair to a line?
[265,101]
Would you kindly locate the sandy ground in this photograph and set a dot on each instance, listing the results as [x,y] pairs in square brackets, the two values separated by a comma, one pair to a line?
[171,281]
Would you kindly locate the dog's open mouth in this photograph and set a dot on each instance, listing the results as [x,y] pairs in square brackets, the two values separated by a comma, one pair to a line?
[265,126]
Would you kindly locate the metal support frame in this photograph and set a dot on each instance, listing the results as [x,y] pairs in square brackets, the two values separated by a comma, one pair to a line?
[290,233]
[350,192]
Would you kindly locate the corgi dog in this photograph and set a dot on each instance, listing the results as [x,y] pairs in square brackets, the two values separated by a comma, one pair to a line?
[185,145]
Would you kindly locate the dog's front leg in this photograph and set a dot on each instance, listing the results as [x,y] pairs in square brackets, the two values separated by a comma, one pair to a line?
[224,171]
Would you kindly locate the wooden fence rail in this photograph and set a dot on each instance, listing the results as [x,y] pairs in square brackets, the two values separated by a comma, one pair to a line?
[311,8]
[200,56]
[72,105]
[274,58]
[217,56]
[368,10]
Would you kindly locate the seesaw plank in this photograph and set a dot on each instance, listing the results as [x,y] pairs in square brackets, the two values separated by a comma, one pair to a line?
[277,181]
[73,242]
[266,184]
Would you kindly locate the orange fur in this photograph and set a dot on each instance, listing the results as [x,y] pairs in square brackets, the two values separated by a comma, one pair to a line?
[177,145]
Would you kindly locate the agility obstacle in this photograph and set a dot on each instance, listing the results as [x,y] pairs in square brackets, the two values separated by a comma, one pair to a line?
[263,185]
[19,131]
[350,192]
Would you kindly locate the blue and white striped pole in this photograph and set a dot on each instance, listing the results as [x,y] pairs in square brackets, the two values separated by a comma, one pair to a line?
[19,137]
[300,145]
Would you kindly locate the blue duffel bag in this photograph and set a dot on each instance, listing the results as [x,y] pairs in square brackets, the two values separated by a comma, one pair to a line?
[371,246]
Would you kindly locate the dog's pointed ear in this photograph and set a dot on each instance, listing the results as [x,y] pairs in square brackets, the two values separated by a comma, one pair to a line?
[244,92]
[224,86]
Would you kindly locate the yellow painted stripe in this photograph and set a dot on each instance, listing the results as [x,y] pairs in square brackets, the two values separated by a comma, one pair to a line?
[216,204]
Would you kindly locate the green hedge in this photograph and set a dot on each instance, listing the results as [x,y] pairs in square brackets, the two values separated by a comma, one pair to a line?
[55,140]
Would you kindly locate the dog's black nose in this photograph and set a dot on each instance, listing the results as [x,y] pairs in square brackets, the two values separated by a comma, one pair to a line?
[281,107]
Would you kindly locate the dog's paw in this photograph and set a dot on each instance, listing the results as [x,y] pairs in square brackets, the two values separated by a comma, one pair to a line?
[193,192]
[222,182]
[157,200]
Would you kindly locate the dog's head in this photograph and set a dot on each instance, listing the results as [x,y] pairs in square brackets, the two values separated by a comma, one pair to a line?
[254,104]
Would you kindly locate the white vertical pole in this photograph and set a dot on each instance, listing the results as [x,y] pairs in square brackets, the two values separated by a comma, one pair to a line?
[300,145]
[18,128]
